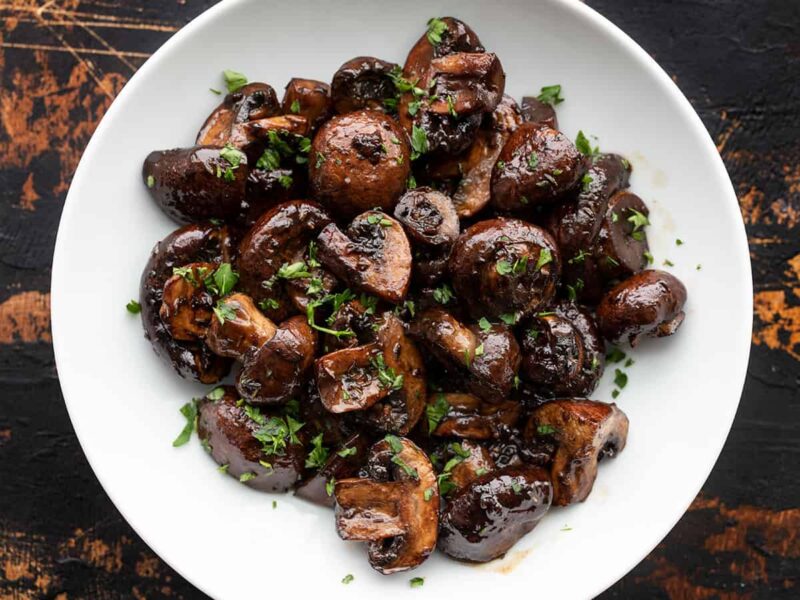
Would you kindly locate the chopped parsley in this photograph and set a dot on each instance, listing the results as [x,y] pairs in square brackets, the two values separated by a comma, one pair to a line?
[509,318]
[533,160]
[550,94]
[419,142]
[416,582]
[546,429]
[436,411]
[397,447]
[615,355]
[295,107]
[224,312]
[648,257]
[479,351]
[638,219]
[347,579]
[545,256]
[245,477]
[585,147]
[133,307]
[484,324]
[620,379]
[319,454]
[679,242]
[269,304]
[387,378]
[378,219]
[189,411]
[668,263]
[330,485]
[234,80]
[436,27]
[151,181]
[578,258]
[275,432]
[298,270]
[216,394]
[345,452]
[222,280]
[443,294]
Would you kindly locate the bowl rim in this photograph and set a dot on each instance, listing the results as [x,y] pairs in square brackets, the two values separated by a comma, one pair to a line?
[578,10]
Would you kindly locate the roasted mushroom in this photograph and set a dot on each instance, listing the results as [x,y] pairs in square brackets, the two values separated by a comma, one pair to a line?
[621,248]
[363,82]
[534,110]
[308,98]
[429,217]
[463,83]
[342,463]
[562,352]
[263,450]
[460,415]
[359,161]
[251,102]
[278,370]
[186,303]
[464,462]
[242,330]
[191,244]
[372,254]
[485,519]
[649,303]
[348,379]
[503,266]
[395,508]
[448,35]
[584,432]
[490,356]
[537,166]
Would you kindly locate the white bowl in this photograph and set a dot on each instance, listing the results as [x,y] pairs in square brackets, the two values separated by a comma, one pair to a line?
[227,539]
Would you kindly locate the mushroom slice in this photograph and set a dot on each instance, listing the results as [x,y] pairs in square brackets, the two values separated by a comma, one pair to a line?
[474,190]
[279,239]
[429,217]
[202,243]
[345,462]
[186,304]
[648,303]
[537,166]
[485,519]
[308,98]
[464,462]
[359,161]
[456,36]
[263,450]
[504,266]
[395,509]
[466,83]
[491,357]
[621,246]
[563,352]
[363,82]
[466,416]
[194,184]
[278,370]
[253,101]
[242,330]
[534,110]
[584,431]
[347,381]
[373,255]
[244,134]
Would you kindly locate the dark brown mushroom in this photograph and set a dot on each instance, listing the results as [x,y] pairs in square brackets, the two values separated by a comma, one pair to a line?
[248,135]
[485,519]
[621,248]
[187,305]
[490,356]
[347,379]
[244,329]
[194,184]
[649,303]
[202,243]
[308,98]
[463,83]
[562,351]
[455,36]
[537,166]
[464,462]
[262,449]
[277,371]
[430,266]
[503,266]
[342,463]
[251,102]
[358,162]
[372,254]
[429,217]
[395,509]
[584,432]
[534,110]
[460,415]
[363,82]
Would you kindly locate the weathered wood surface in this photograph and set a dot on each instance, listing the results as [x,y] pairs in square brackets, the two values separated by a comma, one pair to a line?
[61,63]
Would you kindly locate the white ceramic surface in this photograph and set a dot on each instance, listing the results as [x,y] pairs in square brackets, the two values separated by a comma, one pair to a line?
[227,539]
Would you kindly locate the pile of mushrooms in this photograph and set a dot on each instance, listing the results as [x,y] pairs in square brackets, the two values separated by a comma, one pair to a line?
[413,279]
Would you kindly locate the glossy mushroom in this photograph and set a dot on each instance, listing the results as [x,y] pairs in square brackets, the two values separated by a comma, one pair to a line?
[344,461]
[503,266]
[363,82]
[649,303]
[187,305]
[461,415]
[308,98]
[242,330]
[534,110]
[428,217]
[251,102]
[584,432]
[395,509]
[621,248]
[464,83]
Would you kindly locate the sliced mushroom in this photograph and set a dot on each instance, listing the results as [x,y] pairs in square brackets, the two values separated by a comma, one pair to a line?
[280,238]
[466,416]
[563,352]
[537,166]
[464,83]
[463,462]
[308,98]
[243,330]
[363,82]
[456,36]
[279,370]
[251,102]
[505,266]
[347,380]
[649,303]
[395,509]
[351,316]
[359,161]
[194,184]
[263,450]
[251,132]
[491,357]
[372,254]
[342,463]
[203,243]
[621,248]
[535,111]
[187,305]
[429,217]
[484,520]
[584,432]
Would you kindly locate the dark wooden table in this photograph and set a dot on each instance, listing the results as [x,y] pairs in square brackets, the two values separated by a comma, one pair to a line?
[63,61]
